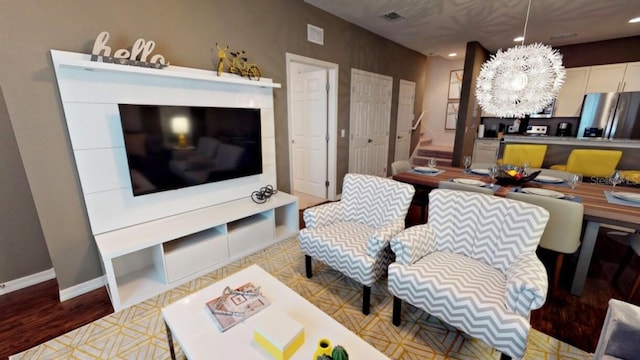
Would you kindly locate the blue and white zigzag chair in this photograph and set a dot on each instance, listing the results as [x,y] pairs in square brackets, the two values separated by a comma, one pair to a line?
[352,235]
[474,266]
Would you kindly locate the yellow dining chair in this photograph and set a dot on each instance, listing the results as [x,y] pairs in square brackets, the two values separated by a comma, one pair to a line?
[517,154]
[632,177]
[591,162]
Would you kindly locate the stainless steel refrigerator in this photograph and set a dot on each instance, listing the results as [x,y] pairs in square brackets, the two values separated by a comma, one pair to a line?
[610,116]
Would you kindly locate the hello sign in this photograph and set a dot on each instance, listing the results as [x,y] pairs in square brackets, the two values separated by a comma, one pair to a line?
[137,56]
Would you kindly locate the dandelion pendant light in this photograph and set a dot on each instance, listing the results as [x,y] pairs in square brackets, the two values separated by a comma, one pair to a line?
[521,80]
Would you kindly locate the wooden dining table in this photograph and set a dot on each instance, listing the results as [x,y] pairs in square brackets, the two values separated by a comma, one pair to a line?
[597,210]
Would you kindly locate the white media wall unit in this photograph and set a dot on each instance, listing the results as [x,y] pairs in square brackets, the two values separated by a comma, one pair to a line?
[151,243]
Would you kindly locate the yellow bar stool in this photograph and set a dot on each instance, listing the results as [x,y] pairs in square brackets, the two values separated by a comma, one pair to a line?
[631,177]
[591,162]
[518,154]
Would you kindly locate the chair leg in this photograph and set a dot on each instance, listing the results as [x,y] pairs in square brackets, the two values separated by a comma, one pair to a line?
[636,284]
[505,357]
[556,273]
[307,265]
[626,259]
[366,299]
[397,309]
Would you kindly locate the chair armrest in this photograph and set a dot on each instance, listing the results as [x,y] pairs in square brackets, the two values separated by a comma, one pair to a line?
[413,243]
[322,215]
[527,285]
[381,237]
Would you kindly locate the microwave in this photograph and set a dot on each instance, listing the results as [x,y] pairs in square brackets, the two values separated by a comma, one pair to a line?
[547,112]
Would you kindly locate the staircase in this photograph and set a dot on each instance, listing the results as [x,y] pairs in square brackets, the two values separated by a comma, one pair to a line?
[426,150]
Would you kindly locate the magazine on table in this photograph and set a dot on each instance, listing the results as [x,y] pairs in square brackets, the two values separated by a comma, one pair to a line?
[235,305]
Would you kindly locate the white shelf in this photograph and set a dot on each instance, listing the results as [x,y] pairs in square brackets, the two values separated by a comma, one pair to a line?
[83,62]
[147,259]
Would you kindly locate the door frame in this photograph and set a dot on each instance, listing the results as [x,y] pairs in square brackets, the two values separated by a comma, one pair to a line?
[332,118]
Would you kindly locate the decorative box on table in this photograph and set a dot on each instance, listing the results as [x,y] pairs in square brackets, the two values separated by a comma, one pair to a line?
[278,334]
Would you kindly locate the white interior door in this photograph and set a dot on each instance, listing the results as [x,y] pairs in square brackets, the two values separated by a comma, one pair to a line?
[406,96]
[309,132]
[370,116]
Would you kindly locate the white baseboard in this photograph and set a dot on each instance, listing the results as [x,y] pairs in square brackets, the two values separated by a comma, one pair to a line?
[83,288]
[27,281]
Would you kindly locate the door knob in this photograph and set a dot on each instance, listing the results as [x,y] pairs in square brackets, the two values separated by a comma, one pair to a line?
[370,141]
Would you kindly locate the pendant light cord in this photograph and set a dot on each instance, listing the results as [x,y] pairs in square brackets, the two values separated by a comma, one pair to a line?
[526,21]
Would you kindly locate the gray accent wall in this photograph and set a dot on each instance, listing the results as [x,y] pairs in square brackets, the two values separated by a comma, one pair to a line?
[22,247]
[185,32]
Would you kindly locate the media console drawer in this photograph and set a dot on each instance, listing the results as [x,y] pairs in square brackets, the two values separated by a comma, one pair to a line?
[195,252]
[248,234]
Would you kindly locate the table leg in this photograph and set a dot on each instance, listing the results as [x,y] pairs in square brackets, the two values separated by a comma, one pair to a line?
[170,340]
[586,251]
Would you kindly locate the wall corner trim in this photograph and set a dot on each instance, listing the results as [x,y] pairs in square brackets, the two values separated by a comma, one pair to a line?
[82,288]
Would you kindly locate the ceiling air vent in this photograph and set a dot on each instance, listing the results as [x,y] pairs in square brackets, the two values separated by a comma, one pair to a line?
[563,36]
[392,16]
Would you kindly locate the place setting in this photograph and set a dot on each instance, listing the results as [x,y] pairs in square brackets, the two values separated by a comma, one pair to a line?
[429,170]
[621,197]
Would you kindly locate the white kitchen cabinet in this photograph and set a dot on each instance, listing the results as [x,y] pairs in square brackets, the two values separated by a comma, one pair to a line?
[485,151]
[631,81]
[569,99]
[606,78]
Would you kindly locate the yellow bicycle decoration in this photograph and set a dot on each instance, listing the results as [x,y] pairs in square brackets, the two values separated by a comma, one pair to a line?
[237,64]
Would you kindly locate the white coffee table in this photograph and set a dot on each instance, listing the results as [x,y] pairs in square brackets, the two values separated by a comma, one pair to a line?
[189,324]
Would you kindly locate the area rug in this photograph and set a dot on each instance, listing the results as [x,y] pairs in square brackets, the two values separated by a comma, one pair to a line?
[138,332]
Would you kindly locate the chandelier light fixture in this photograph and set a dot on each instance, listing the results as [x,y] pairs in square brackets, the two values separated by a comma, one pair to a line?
[521,80]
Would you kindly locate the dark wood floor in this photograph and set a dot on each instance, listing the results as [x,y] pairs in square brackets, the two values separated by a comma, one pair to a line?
[34,315]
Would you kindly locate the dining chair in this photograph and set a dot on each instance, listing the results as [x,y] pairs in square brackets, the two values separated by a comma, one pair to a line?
[619,333]
[400,166]
[591,162]
[473,266]
[564,175]
[452,185]
[421,197]
[518,154]
[632,177]
[352,235]
[563,232]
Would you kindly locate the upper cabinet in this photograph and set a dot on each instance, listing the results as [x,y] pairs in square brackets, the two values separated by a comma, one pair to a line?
[606,78]
[614,78]
[569,99]
[631,81]
[594,79]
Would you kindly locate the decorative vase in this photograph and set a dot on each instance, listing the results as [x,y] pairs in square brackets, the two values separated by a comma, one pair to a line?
[324,348]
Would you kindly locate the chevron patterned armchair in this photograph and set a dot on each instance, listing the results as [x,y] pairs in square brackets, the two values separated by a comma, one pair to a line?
[352,235]
[474,266]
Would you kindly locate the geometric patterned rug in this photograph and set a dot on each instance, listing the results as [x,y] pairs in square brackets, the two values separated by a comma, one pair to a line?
[138,332]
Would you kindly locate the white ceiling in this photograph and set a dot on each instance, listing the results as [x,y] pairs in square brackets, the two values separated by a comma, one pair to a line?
[439,27]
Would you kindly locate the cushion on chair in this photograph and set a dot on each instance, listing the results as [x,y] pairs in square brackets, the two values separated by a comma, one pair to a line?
[374,200]
[493,230]
[464,292]
[343,246]
[517,154]
[322,215]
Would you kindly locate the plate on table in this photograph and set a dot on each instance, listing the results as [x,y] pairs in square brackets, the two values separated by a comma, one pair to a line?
[480,171]
[426,170]
[470,182]
[543,192]
[626,196]
[548,179]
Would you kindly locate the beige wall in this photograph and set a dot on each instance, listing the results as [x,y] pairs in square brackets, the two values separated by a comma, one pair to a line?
[435,100]
[185,32]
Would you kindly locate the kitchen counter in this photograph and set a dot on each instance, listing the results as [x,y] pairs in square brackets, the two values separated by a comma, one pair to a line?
[572,141]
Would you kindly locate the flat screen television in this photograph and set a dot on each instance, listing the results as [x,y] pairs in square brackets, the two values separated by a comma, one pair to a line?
[172,147]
